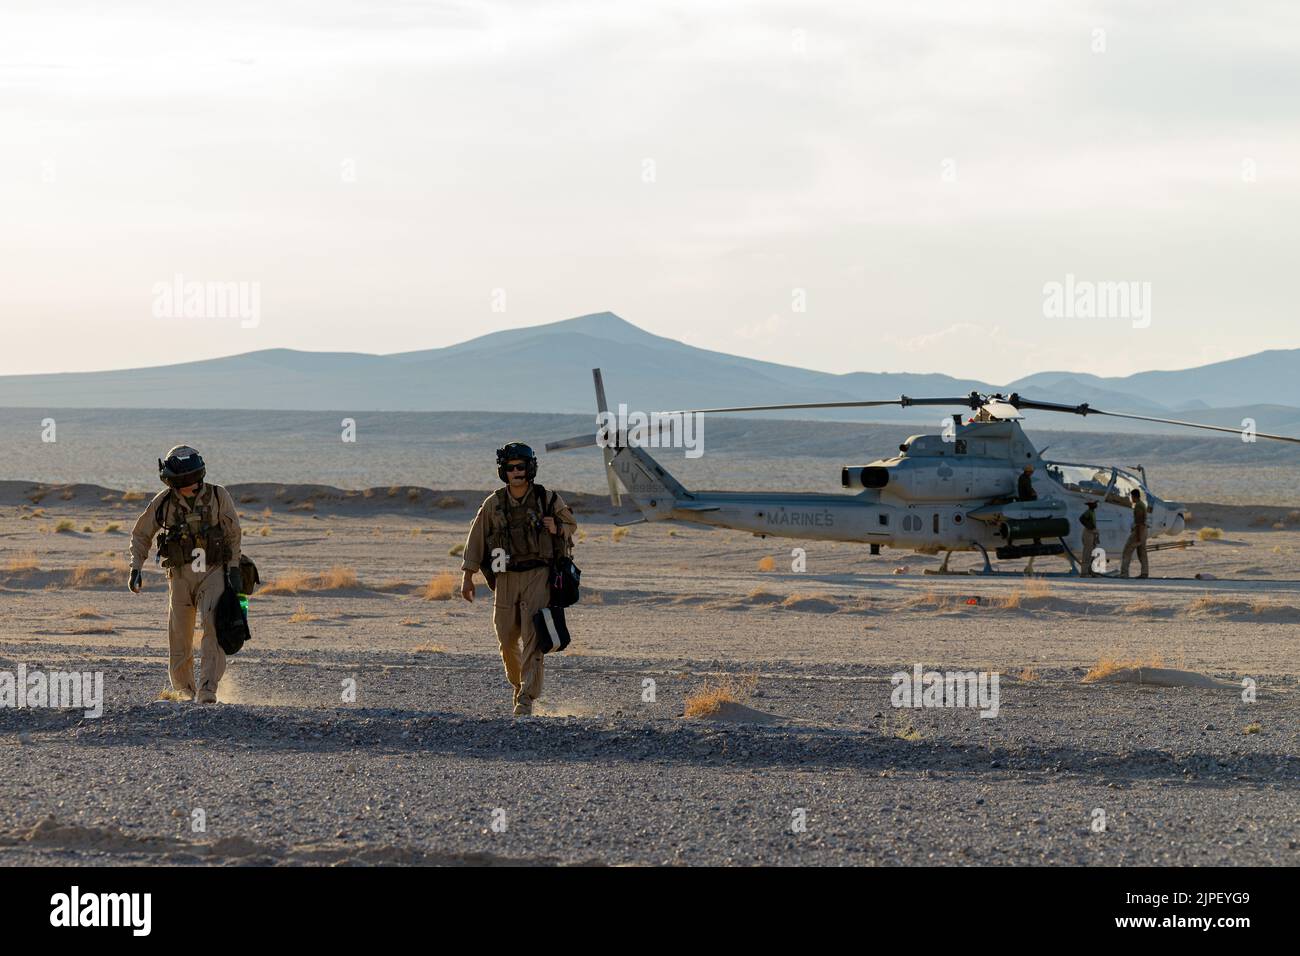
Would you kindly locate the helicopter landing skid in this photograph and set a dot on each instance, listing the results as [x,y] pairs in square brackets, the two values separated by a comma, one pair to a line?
[943,568]
[989,569]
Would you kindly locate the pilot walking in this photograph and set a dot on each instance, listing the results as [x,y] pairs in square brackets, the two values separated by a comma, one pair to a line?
[1089,521]
[1137,538]
[199,547]
[518,530]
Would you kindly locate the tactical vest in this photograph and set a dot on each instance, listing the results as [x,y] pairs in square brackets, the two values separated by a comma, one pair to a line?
[1088,519]
[517,529]
[184,532]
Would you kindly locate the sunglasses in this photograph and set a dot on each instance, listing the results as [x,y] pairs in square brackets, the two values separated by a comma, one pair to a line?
[516,467]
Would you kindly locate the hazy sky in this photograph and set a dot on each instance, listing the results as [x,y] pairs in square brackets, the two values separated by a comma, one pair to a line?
[920,171]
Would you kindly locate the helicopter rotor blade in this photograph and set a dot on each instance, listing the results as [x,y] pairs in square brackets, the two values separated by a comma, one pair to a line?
[970,401]
[1086,409]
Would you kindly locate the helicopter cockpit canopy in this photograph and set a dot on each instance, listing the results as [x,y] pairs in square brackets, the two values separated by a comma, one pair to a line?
[1100,481]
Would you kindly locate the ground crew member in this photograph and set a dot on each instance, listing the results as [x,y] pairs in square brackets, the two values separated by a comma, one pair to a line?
[513,539]
[1089,521]
[199,547]
[1137,538]
[1025,485]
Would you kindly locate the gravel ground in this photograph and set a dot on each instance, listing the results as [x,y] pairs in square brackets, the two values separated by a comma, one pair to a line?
[427,768]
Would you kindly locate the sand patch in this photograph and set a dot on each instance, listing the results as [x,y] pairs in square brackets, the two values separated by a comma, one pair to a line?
[732,712]
[1161,677]
[564,709]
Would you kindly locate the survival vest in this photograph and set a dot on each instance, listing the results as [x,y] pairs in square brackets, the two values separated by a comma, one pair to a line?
[516,528]
[183,532]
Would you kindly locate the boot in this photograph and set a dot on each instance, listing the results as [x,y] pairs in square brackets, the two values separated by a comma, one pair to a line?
[206,697]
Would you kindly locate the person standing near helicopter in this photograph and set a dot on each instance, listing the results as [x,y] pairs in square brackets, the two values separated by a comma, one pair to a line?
[1025,486]
[1137,538]
[1089,522]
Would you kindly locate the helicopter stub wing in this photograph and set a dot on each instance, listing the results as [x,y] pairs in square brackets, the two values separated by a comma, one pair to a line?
[998,512]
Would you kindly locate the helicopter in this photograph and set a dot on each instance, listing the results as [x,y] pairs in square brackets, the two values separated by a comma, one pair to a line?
[952,492]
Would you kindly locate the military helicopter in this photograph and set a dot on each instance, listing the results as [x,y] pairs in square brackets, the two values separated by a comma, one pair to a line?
[956,491]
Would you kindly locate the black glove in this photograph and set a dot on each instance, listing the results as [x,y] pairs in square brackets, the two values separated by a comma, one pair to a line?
[135,583]
[235,580]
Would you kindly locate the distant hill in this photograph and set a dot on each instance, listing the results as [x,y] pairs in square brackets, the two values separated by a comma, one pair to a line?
[547,368]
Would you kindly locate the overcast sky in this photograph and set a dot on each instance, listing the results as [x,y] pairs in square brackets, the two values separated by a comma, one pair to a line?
[919,171]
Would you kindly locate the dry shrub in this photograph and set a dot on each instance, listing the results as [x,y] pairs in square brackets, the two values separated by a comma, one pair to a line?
[265,531]
[429,649]
[413,494]
[930,599]
[410,622]
[337,578]
[449,502]
[443,586]
[620,534]
[1214,602]
[456,550]
[1252,728]
[113,528]
[1110,664]
[95,575]
[302,616]
[799,598]
[1035,588]
[248,499]
[266,512]
[38,512]
[899,725]
[134,496]
[68,494]
[1210,534]
[767,564]
[1140,606]
[708,700]
[64,527]
[178,696]
[1029,674]
[303,506]
[23,562]
[85,612]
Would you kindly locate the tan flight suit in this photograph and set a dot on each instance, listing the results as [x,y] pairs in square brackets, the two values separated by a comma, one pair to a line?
[189,591]
[518,594]
[1137,541]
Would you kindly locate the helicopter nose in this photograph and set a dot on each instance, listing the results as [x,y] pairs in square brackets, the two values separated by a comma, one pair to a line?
[1178,524]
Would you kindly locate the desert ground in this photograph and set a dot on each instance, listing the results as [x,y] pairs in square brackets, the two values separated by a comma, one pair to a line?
[428,765]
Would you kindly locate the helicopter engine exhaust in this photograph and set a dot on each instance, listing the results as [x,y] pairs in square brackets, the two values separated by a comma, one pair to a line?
[864,476]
